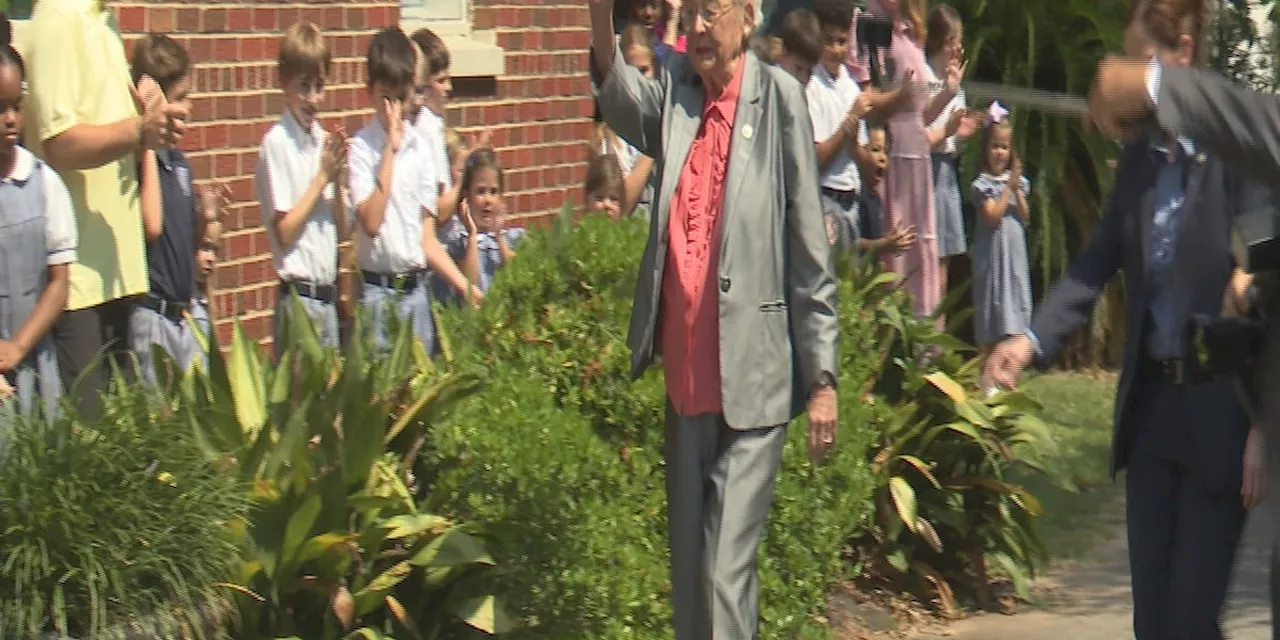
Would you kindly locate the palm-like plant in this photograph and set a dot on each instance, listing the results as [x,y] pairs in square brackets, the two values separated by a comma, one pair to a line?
[1054,45]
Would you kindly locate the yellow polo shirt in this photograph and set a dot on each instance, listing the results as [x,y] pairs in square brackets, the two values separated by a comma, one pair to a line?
[77,74]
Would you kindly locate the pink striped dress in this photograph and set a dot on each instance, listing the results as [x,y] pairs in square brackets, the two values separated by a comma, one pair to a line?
[908,188]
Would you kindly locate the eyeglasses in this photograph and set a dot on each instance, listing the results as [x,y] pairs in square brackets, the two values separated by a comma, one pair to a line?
[690,15]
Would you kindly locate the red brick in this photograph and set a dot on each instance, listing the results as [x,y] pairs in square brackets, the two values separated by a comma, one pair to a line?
[239,19]
[265,19]
[215,20]
[132,19]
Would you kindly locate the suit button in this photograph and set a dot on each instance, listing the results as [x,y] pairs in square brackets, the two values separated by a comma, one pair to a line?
[724,285]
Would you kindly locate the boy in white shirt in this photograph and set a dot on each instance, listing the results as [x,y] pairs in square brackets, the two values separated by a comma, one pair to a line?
[395,186]
[432,86]
[300,189]
[836,108]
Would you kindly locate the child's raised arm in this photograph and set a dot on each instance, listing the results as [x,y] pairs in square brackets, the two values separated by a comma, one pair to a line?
[149,196]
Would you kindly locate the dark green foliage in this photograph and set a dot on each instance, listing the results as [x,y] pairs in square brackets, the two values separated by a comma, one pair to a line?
[108,523]
[561,454]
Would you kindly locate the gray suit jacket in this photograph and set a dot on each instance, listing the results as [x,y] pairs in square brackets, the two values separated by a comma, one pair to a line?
[777,288]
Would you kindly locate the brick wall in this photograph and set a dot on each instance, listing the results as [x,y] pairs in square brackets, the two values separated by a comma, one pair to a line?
[539,113]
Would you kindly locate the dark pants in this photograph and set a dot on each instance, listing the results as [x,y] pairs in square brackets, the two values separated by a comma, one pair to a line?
[1182,537]
[80,337]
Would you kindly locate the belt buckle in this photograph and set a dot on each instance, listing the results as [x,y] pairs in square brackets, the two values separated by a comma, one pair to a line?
[311,290]
[1175,370]
[164,307]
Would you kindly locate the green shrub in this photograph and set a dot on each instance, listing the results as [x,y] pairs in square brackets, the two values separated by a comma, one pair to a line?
[117,521]
[337,544]
[561,455]
[945,504]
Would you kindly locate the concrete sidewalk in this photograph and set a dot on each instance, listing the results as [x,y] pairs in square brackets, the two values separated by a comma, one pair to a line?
[1090,599]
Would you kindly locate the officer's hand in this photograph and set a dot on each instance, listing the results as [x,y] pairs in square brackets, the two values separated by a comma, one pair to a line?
[1235,298]
[1007,360]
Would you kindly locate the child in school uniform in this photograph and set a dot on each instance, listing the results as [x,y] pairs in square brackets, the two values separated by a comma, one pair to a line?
[635,42]
[172,219]
[37,247]
[836,108]
[799,44]
[395,185]
[488,243]
[428,104]
[952,126]
[206,259]
[1001,270]
[604,188]
[300,189]
[872,239]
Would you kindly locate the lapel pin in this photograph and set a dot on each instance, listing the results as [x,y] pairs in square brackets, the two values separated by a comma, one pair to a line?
[747,131]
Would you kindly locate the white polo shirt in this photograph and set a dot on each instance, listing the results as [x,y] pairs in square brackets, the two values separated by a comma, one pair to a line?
[288,161]
[59,215]
[829,102]
[398,247]
[431,128]
[936,85]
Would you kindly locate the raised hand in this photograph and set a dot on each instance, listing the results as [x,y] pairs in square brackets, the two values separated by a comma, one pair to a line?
[902,239]
[956,120]
[163,124]
[1118,99]
[393,115]
[481,140]
[468,220]
[334,158]
[968,125]
[1015,173]
[954,74]
[215,200]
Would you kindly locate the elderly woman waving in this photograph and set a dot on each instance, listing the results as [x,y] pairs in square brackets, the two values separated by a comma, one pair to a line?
[736,291]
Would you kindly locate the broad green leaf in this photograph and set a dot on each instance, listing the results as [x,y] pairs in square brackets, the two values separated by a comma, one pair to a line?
[302,332]
[244,372]
[904,500]
[1016,574]
[484,614]
[406,525]
[299,527]
[946,385]
[450,549]
[371,596]
[898,560]
[318,545]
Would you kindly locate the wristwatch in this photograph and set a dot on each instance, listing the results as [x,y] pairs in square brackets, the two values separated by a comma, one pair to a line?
[825,379]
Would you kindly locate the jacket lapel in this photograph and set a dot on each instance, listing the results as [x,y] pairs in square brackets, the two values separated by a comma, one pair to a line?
[746,131]
[687,100]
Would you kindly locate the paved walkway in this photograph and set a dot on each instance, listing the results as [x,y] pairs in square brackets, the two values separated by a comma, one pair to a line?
[1091,599]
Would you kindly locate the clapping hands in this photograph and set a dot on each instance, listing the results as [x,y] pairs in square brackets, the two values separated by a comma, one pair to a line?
[162,124]
[215,200]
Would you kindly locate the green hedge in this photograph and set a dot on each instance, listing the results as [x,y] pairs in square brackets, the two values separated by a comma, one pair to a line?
[121,521]
[561,454]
